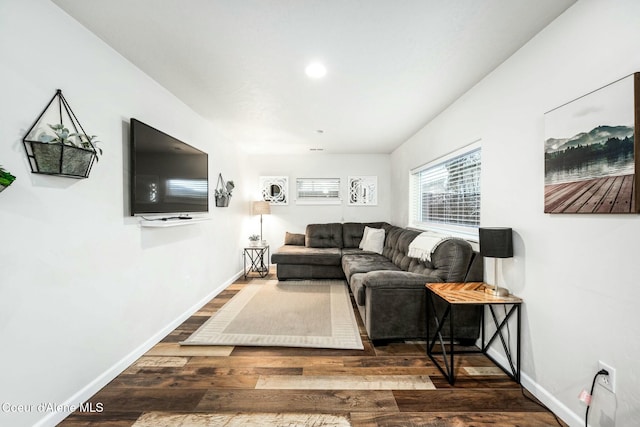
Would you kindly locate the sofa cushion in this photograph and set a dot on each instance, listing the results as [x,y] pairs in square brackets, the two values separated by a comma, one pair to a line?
[357,288]
[398,280]
[365,233]
[373,240]
[290,254]
[309,272]
[324,235]
[293,239]
[365,262]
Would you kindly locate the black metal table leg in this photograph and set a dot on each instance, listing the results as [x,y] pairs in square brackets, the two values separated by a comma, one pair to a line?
[515,369]
[256,261]
[447,371]
[470,294]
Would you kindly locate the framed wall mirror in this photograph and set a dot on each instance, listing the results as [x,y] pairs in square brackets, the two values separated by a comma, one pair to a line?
[275,189]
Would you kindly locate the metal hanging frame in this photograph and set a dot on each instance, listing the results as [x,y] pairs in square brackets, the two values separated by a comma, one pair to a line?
[28,144]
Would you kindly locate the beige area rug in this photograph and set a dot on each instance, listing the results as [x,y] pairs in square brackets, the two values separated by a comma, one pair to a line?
[155,419]
[305,313]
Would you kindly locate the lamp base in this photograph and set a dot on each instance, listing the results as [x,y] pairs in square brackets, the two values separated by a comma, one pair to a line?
[496,291]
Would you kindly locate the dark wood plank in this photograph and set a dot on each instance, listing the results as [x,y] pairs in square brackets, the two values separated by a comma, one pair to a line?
[173,381]
[466,400]
[441,419]
[294,352]
[116,399]
[243,371]
[314,401]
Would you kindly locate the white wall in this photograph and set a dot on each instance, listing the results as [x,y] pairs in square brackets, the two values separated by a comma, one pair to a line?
[83,288]
[577,273]
[294,218]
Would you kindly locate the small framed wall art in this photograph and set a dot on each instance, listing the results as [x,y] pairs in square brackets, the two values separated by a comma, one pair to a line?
[363,190]
[591,152]
[275,189]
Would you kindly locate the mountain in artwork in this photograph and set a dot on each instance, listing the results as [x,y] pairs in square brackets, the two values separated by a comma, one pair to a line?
[598,135]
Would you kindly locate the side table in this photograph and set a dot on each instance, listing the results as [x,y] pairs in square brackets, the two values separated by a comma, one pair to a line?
[255,257]
[471,293]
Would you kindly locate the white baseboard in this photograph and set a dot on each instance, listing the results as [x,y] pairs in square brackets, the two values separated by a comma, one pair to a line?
[84,394]
[548,399]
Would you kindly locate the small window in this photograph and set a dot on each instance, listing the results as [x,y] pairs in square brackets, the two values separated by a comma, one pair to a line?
[318,191]
[445,194]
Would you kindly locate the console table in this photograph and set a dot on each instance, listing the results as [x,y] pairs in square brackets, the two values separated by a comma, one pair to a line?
[471,293]
[253,258]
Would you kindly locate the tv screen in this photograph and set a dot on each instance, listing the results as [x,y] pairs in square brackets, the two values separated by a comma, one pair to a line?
[168,176]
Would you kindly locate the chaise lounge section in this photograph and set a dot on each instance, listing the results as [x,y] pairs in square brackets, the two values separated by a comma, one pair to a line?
[389,286]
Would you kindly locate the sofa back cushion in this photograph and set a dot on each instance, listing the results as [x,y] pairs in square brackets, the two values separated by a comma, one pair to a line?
[476,268]
[450,261]
[324,235]
[294,239]
[396,246]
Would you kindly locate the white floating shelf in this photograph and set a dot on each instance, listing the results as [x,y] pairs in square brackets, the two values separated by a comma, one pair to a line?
[158,223]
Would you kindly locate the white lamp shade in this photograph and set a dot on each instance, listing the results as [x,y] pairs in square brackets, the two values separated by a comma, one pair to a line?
[260,207]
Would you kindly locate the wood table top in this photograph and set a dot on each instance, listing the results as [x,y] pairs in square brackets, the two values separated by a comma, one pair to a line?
[469,293]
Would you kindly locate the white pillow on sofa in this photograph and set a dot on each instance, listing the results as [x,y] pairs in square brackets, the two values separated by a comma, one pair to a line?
[364,236]
[373,239]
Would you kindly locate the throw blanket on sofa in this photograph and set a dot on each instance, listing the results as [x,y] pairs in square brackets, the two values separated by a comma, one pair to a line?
[425,244]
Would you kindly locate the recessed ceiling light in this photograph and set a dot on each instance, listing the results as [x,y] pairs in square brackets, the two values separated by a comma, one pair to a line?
[316,70]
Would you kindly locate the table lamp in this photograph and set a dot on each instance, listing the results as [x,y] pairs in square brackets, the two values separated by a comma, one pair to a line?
[496,242]
[260,207]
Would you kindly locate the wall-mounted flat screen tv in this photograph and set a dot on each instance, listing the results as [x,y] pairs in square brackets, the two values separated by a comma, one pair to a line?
[168,176]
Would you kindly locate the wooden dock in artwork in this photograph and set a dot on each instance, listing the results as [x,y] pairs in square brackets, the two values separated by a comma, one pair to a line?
[612,194]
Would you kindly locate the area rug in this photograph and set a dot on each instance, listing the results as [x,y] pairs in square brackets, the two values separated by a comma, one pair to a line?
[305,313]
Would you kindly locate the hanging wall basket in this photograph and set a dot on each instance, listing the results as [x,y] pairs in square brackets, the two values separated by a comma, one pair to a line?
[223,192]
[69,152]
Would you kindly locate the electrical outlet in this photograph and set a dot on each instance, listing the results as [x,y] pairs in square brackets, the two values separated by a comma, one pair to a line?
[607,381]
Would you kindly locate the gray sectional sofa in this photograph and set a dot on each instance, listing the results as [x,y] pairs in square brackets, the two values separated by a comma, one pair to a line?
[388,288]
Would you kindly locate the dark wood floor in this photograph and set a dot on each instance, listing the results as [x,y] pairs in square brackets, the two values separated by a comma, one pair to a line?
[198,386]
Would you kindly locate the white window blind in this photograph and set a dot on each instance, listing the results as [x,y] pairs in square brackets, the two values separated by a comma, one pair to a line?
[446,194]
[318,190]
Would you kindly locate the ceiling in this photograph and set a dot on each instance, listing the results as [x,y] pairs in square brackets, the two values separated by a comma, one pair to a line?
[392,65]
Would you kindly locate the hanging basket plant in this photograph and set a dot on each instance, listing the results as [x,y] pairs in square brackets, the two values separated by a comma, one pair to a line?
[6,179]
[55,149]
[223,192]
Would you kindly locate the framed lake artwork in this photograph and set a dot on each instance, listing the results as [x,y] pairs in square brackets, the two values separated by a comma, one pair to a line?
[591,151]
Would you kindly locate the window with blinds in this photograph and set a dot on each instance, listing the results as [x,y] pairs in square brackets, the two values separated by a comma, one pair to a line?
[318,190]
[445,194]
